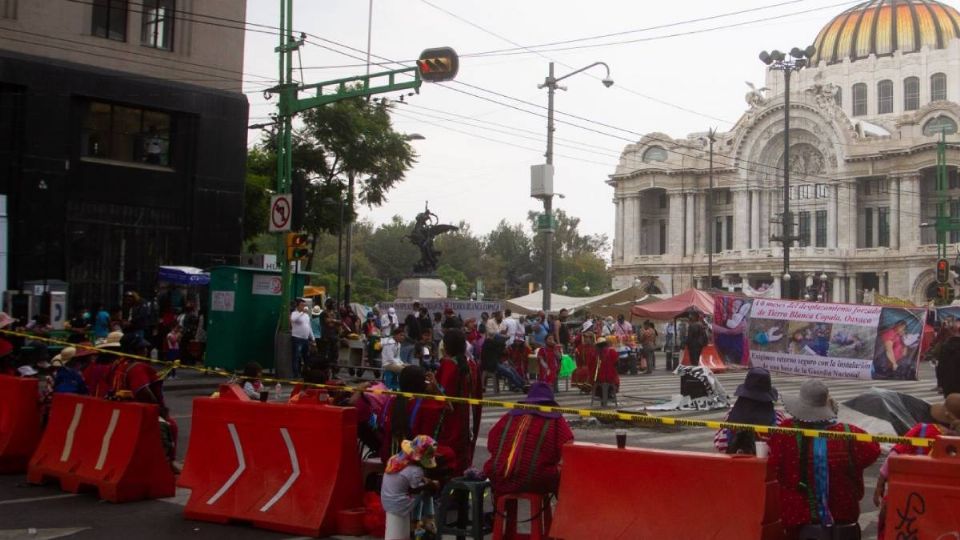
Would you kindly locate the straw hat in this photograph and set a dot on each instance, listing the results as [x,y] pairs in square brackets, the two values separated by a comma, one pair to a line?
[113,340]
[67,354]
[317,311]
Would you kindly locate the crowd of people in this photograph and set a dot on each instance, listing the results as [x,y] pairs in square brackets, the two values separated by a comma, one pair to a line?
[109,359]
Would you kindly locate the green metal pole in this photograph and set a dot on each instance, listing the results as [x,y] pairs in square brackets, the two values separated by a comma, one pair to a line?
[284,151]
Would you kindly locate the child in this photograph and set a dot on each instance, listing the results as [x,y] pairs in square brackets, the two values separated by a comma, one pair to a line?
[173,347]
[946,418]
[251,383]
[403,480]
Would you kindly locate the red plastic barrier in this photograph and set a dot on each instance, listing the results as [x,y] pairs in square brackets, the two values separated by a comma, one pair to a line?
[923,494]
[110,445]
[708,357]
[20,421]
[606,492]
[288,468]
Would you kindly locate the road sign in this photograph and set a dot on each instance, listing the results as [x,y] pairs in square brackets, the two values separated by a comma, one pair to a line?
[281,209]
[58,309]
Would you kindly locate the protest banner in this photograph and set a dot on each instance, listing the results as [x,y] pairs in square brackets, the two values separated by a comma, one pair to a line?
[819,339]
[466,309]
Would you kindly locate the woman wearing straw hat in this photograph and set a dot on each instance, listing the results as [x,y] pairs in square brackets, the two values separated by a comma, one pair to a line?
[821,480]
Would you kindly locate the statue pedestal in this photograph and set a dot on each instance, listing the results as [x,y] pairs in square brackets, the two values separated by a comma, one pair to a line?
[421,288]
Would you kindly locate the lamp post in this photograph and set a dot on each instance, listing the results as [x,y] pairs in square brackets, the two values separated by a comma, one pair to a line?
[550,83]
[778,61]
[711,137]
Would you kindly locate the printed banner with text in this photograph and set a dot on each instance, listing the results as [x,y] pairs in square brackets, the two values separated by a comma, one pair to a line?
[819,339]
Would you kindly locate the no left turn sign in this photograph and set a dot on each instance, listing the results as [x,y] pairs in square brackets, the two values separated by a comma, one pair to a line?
[281,208]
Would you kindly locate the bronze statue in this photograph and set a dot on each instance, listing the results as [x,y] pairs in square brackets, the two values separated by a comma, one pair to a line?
[425,229]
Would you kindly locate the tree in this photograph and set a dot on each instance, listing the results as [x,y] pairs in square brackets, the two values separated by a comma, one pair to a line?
[461,250]
[451,275]
[577,258]
[256,195]
[390,252]
[509,247]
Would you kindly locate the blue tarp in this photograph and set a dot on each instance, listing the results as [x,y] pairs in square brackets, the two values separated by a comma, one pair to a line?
[183,275]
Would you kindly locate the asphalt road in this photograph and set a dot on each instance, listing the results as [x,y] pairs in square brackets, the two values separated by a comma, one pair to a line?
[54,514]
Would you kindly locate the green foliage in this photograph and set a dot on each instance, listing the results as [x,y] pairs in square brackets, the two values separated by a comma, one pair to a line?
[451,275]
[256,196]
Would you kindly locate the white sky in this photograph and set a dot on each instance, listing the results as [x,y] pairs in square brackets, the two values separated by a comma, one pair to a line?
[482,175]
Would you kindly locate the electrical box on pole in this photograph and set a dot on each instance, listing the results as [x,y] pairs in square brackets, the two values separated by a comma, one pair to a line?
[541,181]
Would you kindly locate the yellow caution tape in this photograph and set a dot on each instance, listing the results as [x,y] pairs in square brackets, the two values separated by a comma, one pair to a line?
[639,418]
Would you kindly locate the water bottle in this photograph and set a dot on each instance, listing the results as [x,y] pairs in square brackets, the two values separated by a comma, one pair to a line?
[277,390]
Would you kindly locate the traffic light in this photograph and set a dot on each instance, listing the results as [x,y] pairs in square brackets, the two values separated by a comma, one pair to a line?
[438,65]
[945,293]
[943,271]
[298,246]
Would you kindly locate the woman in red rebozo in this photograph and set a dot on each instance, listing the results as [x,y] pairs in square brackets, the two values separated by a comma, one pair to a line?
[457,376]
[548,357]
[584,354]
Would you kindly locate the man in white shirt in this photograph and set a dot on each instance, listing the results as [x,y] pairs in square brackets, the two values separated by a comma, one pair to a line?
[492,326]
[390,357]
[510,327]
[389,323]
[300,335]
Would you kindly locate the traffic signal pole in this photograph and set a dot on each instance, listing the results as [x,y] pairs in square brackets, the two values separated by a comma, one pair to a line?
[434,65]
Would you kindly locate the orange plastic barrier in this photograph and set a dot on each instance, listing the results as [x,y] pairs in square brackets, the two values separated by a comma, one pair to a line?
[606,492]
[708,357]
[288,468]
[20,420]
[110,445]
[923,494]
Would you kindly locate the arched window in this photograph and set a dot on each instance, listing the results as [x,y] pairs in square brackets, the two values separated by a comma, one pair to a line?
[938,87]
[654,153]
[940,124]
[859,99]
[885,96]
[911,93]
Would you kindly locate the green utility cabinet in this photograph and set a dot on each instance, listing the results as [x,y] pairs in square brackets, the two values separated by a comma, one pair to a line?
[244,310]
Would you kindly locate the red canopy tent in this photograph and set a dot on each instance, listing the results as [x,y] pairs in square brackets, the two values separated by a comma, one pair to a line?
[691,299]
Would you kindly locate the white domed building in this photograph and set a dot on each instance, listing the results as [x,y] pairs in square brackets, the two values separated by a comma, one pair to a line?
[865,119]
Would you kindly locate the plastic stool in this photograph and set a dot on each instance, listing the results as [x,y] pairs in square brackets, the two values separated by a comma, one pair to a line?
[466,497]
[505,522]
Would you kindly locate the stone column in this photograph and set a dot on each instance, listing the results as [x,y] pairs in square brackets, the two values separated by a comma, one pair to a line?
[846,215]
[741,219]
[764,219]
[629,229]
[910,211]
[852,288]
[688,244]
[675,225]
[777,284]
[638,226]
[618,230]
[755,219]
[832,217]
[836,290]
[893,217]
[701,220]
[885,283]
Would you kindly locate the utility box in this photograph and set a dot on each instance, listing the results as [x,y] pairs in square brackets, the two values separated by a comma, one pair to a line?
[541,181]
[243,315]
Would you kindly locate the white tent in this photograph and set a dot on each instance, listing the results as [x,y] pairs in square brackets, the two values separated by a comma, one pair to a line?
[533,302]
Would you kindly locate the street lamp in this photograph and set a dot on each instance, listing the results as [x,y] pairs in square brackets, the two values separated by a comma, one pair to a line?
[564,289]
[550,83]
[453,289]
[586,288]
[778,61]
[473,296]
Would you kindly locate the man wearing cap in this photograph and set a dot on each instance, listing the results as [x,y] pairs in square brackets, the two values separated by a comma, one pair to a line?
[525,447]
[300,335]
[821,480]
[390,359]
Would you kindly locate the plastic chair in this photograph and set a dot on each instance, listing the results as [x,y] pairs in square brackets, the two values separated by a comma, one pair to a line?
[505,522]
[466,497]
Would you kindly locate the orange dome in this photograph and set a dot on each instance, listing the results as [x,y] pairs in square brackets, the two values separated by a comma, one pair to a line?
[881,27]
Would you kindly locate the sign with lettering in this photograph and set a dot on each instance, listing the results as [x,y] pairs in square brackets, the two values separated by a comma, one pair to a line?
[267,284]
[819,339]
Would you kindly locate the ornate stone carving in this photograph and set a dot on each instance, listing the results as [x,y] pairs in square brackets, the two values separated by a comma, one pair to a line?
[756,97]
